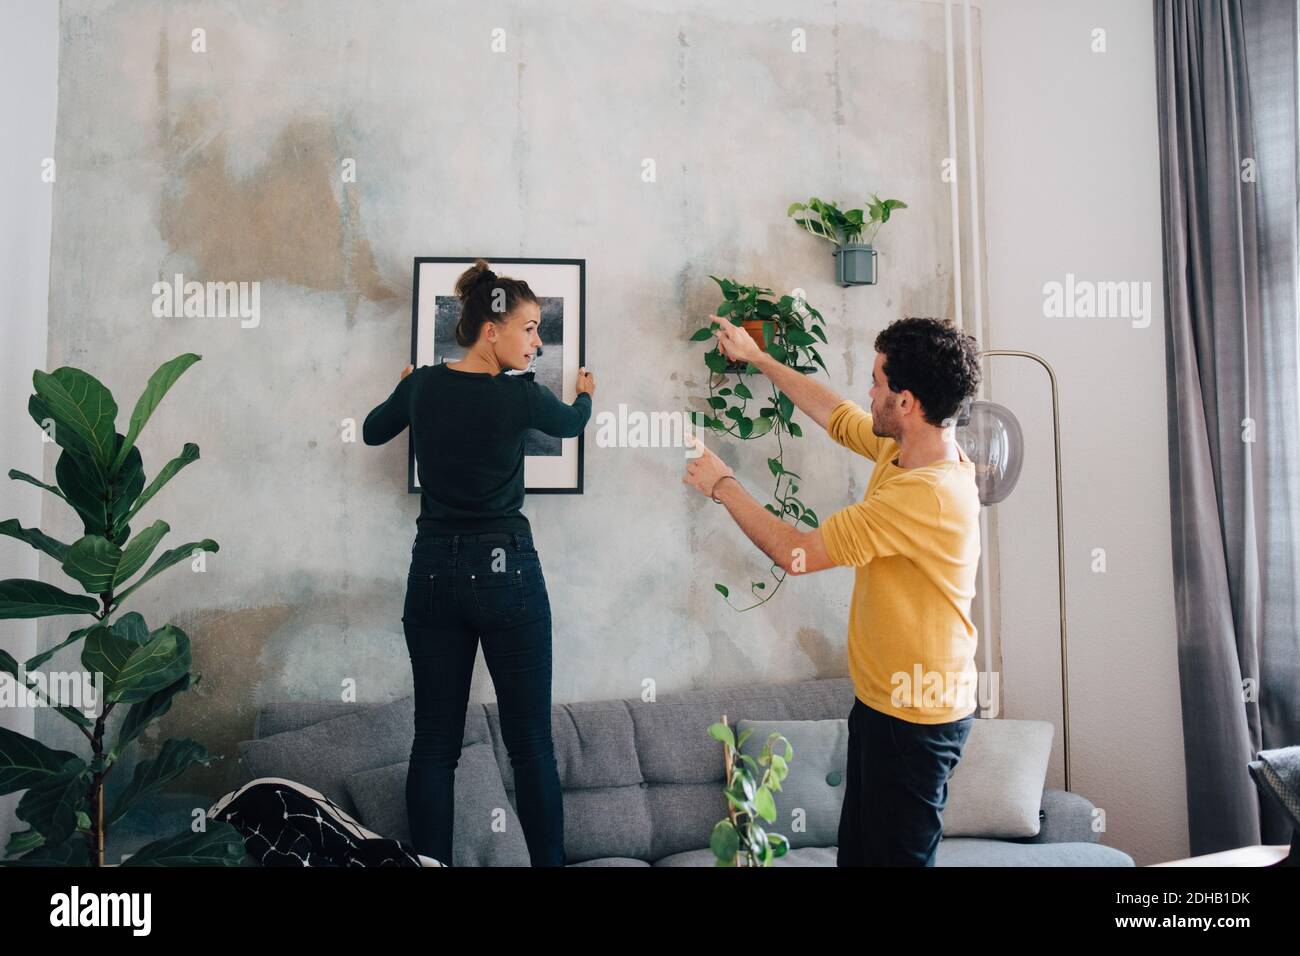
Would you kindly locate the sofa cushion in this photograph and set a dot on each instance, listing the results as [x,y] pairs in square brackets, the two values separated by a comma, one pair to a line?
[996,789]
[594,745]
[486,829]
[606,822]
[811,796]
[323,755]
[970,851]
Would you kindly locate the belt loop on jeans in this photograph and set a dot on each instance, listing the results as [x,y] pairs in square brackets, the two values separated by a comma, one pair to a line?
[455,545]
[514,540]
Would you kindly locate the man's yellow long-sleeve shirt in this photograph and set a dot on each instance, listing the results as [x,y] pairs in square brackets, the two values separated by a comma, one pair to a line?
[914,541]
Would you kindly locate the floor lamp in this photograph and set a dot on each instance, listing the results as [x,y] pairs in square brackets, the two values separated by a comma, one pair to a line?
[991,437]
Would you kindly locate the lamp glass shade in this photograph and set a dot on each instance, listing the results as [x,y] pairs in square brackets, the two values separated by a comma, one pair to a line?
[994,443]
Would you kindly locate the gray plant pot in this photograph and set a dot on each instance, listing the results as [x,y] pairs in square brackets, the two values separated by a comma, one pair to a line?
[855,264]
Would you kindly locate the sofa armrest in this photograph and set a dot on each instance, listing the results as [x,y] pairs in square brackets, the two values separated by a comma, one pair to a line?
[1064,817]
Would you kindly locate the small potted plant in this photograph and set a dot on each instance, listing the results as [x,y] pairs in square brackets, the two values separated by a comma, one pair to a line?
[851,231]
[740,839]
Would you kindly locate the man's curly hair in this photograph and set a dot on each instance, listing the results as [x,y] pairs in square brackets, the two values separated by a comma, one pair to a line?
[935,360]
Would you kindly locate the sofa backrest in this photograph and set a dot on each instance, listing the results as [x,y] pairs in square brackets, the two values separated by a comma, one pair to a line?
[641,779]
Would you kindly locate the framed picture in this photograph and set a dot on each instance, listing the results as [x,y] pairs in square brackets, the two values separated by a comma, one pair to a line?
[551,465]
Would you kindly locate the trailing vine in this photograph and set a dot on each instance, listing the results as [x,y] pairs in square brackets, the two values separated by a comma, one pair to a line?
[790,332]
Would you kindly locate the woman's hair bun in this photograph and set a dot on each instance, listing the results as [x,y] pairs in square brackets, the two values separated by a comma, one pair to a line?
[472,277]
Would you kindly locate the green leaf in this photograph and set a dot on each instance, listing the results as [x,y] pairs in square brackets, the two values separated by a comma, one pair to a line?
[702,334]
[716,402]
[92,560]
[50,807]
[746,427]
[817,331]
[175,757]
[799,337]
[188,454]
[716,361]
[23,598]
[86,489]
[777,351]
[795,430]
[78,402]
[167,559]
[158,385]
[132,671]
[765,805]
[35,537]
[220,845]
[774,465]
[743,390]
[145,712]
[722,734]
[785,405]
[724,842]
[68,853]
[24,762]
[22,842]
[137,552]
[809,517]
[17,475]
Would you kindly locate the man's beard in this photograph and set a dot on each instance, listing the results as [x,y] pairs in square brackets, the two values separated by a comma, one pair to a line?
[882,424]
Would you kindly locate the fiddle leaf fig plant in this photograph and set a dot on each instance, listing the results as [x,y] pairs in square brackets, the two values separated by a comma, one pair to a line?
[790,330]
[741,839]
[100,475]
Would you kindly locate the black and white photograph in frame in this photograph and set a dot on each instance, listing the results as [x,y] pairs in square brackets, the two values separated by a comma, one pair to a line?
[551,465]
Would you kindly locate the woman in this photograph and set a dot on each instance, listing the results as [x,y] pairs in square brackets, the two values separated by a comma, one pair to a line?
[475,574]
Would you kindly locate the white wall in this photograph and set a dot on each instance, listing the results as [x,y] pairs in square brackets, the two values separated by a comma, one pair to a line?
[1073,185]
[29,69]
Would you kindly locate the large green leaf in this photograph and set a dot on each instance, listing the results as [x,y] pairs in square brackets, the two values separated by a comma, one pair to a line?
[92,561]
[188,454]
[17,475]
[175,757]
[145,712]
[132,671]
[127,484]
[220,845]
[86,488]
[168,558]
[35,537]
[79,402]
[137,552]
[25,762]
[20,597]
[23,841]
[158,385]
[50,807]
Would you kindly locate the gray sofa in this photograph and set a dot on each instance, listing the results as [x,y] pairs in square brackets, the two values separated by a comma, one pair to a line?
[642,780]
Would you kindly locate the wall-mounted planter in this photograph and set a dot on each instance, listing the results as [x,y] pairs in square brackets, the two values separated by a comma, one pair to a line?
[855,264]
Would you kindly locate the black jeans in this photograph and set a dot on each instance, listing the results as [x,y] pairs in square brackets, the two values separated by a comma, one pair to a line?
[896,788]
[462,589]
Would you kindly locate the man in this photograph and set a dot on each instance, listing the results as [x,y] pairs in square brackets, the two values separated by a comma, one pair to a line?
[914,542]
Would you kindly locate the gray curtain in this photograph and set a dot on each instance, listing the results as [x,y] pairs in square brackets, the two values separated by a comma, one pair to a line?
[1226,75]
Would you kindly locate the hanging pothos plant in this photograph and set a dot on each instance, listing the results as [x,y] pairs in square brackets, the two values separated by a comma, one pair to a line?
[787,329]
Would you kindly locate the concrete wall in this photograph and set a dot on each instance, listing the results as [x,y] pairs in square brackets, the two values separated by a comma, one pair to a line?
[225,165]
[1073,186]
[29,64]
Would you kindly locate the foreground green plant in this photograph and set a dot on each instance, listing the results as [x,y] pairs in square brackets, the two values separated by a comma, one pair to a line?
[740,840]
[100,475]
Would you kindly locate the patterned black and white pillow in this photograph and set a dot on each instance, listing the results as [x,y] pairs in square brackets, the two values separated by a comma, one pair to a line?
[287,824]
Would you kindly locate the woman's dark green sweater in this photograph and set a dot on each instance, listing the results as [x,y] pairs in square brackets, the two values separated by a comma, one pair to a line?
[469,430]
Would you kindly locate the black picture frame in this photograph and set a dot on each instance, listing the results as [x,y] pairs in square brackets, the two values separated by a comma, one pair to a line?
[467,261]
